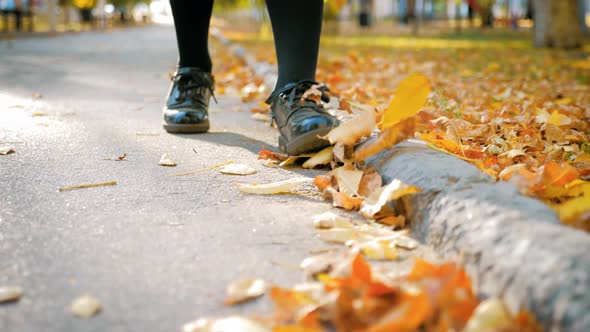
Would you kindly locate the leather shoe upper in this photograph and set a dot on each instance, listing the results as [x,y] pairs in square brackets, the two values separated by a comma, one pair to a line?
[188,99]
[295,115]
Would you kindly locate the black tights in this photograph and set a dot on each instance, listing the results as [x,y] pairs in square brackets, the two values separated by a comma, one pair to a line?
[296,26]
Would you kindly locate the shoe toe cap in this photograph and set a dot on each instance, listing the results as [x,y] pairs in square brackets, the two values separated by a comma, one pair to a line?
[184,116]
[314,123]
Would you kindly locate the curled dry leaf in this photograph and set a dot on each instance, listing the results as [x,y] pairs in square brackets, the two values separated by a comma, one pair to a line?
[244,290]
[85,306]
[330,220]
[224,325]
[342,200]
[323,157]
[393,191]
[370,183]
[281,187]
[4,150]
[166,160]
[238,169]
[348,133]
[10,294]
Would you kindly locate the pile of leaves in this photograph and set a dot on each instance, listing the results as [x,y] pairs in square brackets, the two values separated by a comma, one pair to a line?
[354,297]
[518,115]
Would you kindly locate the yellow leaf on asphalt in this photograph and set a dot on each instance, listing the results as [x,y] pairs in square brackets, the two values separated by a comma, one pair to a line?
[321,158]
[354,129]
[85,306]
[490,315]
[337,235]
[238,169]
[229,324]
[410,96]
[10,294]
[281,187]
[244,290]
[348,180]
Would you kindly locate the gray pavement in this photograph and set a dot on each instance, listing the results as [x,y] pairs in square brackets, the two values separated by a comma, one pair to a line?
[157,250]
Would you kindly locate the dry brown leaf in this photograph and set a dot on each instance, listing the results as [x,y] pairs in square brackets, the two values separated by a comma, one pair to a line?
[85,306]
[10,294]
[244,290]
[281,187]
[370,183]
[342,200]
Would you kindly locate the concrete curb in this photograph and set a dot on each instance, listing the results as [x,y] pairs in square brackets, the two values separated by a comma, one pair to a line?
[513,246]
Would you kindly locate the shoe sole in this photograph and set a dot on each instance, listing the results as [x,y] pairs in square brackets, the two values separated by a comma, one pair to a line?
[187,128]
[309,142]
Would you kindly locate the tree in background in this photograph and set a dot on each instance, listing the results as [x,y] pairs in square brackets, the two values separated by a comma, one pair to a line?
[557,24]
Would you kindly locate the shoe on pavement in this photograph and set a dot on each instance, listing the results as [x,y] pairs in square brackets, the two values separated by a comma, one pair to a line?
[188,101]
[301,121]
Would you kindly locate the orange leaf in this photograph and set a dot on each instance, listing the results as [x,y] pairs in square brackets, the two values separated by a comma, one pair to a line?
[361,269]
[558,175]
[386,139]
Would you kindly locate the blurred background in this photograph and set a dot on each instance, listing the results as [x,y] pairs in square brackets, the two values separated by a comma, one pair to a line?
[562,23]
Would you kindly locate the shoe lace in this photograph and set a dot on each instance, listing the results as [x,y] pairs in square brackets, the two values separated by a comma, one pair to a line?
[189,83]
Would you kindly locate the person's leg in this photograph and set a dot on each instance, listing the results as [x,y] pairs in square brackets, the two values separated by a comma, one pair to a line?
[296,26]
[191,20]
[186,109]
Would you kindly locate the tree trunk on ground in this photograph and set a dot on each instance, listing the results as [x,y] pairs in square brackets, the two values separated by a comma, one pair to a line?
[557,24]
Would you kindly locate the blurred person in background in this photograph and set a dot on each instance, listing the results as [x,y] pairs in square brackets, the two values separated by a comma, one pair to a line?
[296,28]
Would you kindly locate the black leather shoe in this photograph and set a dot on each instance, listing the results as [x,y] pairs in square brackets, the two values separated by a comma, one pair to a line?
[188,101]
[301,121]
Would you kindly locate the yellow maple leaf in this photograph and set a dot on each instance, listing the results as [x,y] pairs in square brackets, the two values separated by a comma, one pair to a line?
[410,96]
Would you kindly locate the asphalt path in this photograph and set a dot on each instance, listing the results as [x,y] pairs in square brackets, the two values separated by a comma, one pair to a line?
[155,249]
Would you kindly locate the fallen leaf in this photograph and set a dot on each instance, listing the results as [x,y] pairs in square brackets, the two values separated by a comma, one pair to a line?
[386,139]
[244,290]
[270,155]
[238,169]
[119,158]
[331,220]
[391,192]
[262,117]
[204,169]
[354,129]
[85,306]
[378,250]
[10,294]
[323,157]
[394,221]
[342,200]
[410,96]
[490,315]
[337,235]
[229,324]
[281,187]
[88,185]
[166,160]
[558,119]
[348,180]
[370,183]
[4,150]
